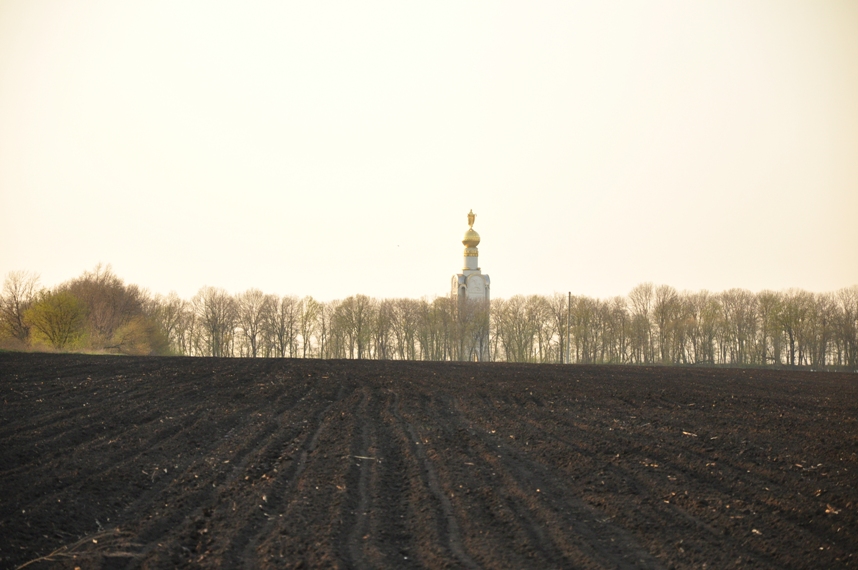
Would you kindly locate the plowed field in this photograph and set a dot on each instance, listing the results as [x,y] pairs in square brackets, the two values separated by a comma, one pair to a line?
[114,462]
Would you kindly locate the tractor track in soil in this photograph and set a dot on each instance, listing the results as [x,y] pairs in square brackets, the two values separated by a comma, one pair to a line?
[115,462]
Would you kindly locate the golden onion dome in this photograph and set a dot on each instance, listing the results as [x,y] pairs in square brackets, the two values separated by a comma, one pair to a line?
[471,239]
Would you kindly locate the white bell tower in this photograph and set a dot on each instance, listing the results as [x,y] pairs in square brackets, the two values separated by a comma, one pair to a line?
[472,291]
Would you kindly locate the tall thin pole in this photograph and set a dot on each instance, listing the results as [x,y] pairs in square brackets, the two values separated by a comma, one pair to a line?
[568,340]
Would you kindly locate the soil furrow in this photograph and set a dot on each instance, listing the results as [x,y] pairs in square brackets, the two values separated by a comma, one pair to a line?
[241,550]
[424,529]
[392,542]
[357,517]
[453,535]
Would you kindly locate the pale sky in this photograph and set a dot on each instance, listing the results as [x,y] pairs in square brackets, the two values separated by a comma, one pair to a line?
[335,148]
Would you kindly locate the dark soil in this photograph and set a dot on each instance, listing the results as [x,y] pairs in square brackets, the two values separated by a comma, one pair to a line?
[115,462]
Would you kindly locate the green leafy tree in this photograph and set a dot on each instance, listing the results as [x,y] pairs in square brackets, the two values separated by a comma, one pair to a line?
[140,336]
[58,318]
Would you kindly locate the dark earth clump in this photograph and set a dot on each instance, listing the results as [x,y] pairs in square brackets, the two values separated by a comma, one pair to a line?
[120,462]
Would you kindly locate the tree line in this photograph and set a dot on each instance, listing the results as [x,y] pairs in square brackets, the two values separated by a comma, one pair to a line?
[651,325]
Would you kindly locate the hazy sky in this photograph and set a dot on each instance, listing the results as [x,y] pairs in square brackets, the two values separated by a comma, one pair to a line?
[335,148]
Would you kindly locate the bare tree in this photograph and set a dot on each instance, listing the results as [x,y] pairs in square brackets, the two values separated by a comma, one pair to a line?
[309,319]
[437,328]
[471,329]
[705,313]
[739,321]
[769,307]
[382,329]
[618,330]
[557,307]
[19,291]
[354,317]
[793,317]
[326,335]
[187,332]
[822,320]
[110,303]
[405,323]
[251,309]
[585,329]
[518,319]
[216,311]
[539,312]
[168,313]
[641,300]
[281,325]
[847,327]
[665,313]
